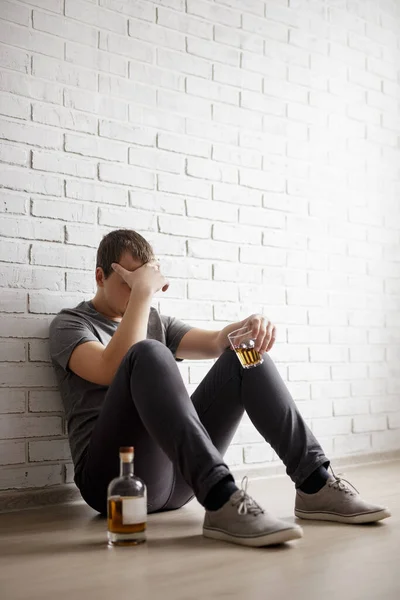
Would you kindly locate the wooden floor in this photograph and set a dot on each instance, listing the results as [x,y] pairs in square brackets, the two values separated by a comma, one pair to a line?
[60,553]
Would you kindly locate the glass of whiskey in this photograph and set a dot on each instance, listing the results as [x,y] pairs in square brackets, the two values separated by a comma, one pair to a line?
[126,504]
[243,344]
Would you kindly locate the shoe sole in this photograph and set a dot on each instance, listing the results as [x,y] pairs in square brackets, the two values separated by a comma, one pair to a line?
[279,537]
[349,519]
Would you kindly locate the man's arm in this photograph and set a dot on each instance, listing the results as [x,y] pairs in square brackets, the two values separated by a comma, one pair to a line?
[98,364]
[200,344]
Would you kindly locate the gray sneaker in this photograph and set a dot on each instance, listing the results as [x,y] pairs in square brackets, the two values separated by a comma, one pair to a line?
[336,501]
[242,521]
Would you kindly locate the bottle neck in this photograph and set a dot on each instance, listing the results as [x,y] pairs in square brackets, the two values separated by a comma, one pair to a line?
[126,468]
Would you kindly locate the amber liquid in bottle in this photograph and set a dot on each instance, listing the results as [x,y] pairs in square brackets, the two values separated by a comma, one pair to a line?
[126,505]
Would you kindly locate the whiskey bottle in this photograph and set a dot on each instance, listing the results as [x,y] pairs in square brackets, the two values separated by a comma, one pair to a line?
[126,504]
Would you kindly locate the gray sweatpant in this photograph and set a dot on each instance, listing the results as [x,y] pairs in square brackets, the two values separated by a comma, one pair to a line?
[180,440]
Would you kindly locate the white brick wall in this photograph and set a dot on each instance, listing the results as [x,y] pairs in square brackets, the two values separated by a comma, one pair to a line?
[256,144]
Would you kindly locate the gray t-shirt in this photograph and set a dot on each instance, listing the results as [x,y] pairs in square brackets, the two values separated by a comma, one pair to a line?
[82,399]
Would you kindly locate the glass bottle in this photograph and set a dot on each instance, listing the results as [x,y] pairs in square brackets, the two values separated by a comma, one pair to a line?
[126,504]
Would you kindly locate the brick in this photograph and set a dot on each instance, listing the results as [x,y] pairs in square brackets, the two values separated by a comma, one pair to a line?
[308,372]
[214,13]
[237,77]
[163,203]
[15,59]
[367,423]
[94,59]
[142,220]
[262,256]
[22,85]
[262,293]
[130,90]
[50,162]
[211,131]
[151,32]
[331,389]
[213,210]
[12,351]
[193,228]
[236,195]
[188,269]
[31,40]
[45,401]
[16,13]
[31,477]
[25,180]
[203,169]
[44,303]
[352,444]
[388,404]
[236,233]
[133,8]
[96,16]
[384,441]
[82,235]
[101,105]
[350,407]
[14,155]
[89,146]
[152,75]
[25,376]
[332,426]
[80,282]
[62,256]
[252,6]
[12,401]
[187,309]
[273,182]
[51,5]
[183,145]
[49,450]
[63,72]
[212,290]
[262,217]
[39,350]
[394,421]
[33,135]
[126,46]
[184,23]
[155,159]
[66,211]
[184,63]
[28,278]
[257,453]
[65,28]
[15,252]
[212,250]
[312,409]
[176,184]
[127,133]
[14,106]
[237,116]
[126,175]
[236,156]
[12,453]
[209,89]
[234,456]
[167,245]
[184,105]
[238,39]
[96,192]
[13,203]
[213,51]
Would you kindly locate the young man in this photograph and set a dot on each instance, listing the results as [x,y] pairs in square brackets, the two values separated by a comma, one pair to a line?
[115,360]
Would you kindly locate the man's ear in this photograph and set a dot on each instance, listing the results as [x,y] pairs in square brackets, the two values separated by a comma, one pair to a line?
[100,278]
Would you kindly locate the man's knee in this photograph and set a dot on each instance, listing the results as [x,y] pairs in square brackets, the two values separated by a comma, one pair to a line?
[147,348]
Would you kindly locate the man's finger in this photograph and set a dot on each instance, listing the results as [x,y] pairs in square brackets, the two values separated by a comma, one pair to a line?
[272,340]
[267,338]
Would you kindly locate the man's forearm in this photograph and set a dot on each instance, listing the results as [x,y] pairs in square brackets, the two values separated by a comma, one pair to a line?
[132,329]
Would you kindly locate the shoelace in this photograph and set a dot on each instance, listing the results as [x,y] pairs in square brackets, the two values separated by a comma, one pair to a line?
[342,484]
[244,502]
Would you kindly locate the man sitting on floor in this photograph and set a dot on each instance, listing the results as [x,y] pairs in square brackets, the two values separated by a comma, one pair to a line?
[115,360]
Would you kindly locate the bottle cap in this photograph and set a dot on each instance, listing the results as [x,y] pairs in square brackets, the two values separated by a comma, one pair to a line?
[126,449]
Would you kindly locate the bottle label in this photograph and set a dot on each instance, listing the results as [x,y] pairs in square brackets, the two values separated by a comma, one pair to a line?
[134,510]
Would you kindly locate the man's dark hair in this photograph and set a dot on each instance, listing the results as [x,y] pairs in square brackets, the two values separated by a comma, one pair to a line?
[115,243]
